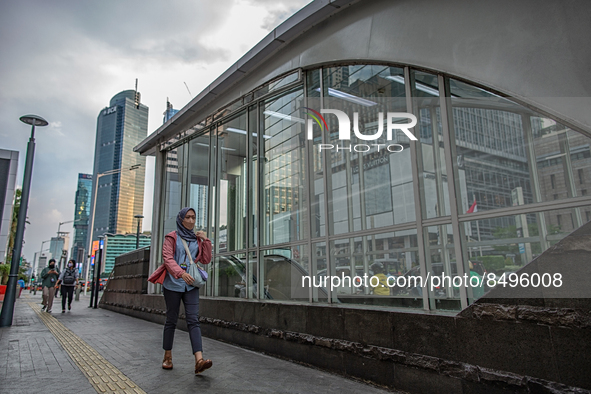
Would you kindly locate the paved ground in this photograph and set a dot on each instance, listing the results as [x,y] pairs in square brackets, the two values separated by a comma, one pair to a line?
[91,350]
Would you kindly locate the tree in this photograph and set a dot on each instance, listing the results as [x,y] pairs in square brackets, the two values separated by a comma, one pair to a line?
[15,209]
[511,232]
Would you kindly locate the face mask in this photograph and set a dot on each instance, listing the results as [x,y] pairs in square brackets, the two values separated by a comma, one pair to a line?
[51,266]
[70,265]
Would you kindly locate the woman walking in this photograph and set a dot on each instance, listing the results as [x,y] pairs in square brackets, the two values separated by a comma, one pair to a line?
[176,283]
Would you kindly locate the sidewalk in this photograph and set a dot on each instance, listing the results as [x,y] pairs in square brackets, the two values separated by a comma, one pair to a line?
[91,350]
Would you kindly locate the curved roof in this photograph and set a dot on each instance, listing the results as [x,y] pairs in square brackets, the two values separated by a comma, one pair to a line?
[533,50]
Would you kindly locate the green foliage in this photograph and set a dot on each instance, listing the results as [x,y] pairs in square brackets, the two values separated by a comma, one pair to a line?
[12,236]
[229,271]
[493,263]
[4,272]
[511,232]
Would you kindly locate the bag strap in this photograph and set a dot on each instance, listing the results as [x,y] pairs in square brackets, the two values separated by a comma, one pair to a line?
[189,253]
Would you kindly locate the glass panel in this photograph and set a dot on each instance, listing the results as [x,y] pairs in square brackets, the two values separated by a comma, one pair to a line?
[284,273]
[560,175]
[318,269]
[505,245]
[370,181]
[441,259]
[492,153]
[284,172]
[232,185]
[430,152]
[253,188]
[277,84]
[253,269]
[509,155]
[212,198]
[172,193]
[199,179]
[317,182]
[560,223]
[229,276]
[389,257]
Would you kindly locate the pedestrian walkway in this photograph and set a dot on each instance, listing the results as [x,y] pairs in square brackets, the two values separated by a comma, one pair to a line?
[98,351]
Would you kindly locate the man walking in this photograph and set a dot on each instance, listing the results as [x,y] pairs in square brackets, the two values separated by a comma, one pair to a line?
[68,279]
[49,276]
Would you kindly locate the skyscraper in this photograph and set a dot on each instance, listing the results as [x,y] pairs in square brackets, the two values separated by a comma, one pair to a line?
[119,196]
[81,216]
[169,113]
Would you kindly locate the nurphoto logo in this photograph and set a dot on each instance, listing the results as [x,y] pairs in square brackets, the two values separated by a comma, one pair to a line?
[345,129]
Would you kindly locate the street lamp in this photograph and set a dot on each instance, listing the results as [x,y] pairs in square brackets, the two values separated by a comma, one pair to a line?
[60,234]
[137,242]
[8,305]
[94,195]
[36,263]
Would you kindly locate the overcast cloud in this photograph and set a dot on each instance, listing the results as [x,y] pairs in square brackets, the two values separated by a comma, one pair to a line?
[64,60]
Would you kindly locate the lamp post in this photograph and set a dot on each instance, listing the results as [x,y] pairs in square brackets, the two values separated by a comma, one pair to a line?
[137,242]
[94,195]
[40,253]
[8,305]
[61,234]
[97,271]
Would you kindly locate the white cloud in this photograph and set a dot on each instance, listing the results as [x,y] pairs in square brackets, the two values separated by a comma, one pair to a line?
[65,59]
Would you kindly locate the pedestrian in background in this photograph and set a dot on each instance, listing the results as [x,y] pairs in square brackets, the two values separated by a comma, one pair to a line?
[68,280]
[176,283]
[21,285]
[49,277]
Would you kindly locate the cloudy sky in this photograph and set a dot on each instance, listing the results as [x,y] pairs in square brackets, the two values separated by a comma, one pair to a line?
[64,60]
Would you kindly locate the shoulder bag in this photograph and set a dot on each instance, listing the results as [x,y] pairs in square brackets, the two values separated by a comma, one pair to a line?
[199,275]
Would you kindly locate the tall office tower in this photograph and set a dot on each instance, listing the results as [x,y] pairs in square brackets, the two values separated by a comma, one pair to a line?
[169,113]
[119,196]
[81,216]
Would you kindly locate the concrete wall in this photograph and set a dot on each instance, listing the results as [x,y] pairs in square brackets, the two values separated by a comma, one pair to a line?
[520,345]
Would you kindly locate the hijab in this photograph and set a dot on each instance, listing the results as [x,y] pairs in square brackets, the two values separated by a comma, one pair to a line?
[182,231]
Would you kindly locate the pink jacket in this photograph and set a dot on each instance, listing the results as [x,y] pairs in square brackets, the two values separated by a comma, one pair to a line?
[170,265]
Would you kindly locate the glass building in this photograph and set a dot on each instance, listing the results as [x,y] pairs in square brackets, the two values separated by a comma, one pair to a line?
[492,174]
[118,244]
[119,196]
[81,215]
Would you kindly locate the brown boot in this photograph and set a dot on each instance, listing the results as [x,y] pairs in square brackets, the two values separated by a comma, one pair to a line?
[201,365]
[167,362]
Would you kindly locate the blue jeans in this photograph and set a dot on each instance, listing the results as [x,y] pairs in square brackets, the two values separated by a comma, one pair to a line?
[173,303]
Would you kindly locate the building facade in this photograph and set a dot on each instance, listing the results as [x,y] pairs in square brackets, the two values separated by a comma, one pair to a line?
[118,244]
[8,169]
[273,182]
[58,249]
[313,167]
[119,196]
[81,216]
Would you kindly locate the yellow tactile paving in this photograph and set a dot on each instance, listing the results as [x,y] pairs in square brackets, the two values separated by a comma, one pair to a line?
[101,374]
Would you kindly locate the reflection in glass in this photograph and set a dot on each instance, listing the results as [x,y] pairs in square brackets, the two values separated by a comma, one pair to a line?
[441,259]
[283,271]
[172,191]
[229,276]
[430,151]
[232,186]
[199,179]
[370,186]
[319,266]
[284,170]
[390,257]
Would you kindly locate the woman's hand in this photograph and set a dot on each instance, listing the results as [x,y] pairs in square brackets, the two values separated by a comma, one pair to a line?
[188,278]
[200,234]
